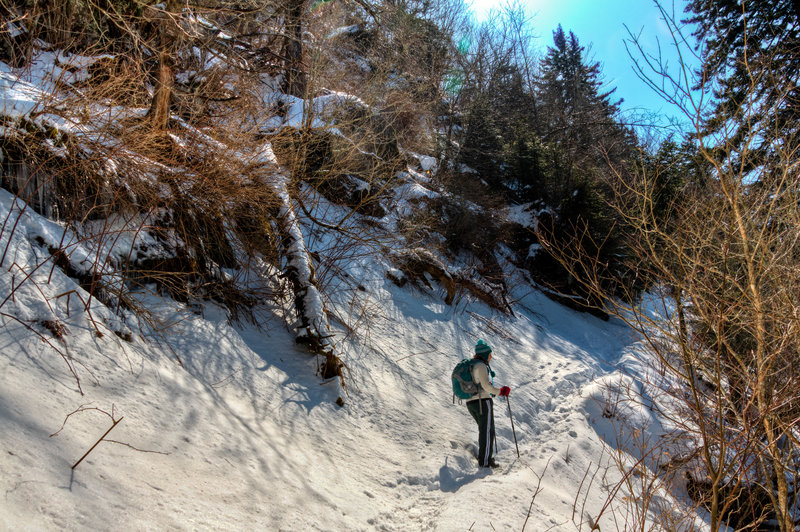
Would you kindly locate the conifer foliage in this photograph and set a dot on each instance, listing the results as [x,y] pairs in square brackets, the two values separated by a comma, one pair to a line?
[750,52]
[580,126]
[578,116]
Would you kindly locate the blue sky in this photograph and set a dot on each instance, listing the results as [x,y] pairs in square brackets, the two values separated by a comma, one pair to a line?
[600,27]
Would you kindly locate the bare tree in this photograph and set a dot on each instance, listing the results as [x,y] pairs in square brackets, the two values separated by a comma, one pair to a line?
[723,253]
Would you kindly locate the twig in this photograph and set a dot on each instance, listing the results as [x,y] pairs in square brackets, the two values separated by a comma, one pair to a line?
[97,330]
[82,408]
[224,381]
[586,497]
[98,442]
[578,493]
[135,448]
[14,227]
[85,408]
[536,492]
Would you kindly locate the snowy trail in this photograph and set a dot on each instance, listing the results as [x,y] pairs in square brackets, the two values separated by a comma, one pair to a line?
[245,436]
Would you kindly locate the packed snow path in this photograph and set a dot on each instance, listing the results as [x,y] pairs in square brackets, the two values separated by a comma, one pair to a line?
[246,437]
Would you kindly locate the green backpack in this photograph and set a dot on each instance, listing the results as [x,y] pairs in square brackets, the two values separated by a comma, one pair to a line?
[463,385]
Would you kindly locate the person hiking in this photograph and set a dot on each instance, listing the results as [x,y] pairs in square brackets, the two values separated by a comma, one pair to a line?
[480,406]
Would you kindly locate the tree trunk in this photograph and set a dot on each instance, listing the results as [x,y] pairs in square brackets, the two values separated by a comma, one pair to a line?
[159,108]
[294,80]
[753,260]
[312,326]
[165,77]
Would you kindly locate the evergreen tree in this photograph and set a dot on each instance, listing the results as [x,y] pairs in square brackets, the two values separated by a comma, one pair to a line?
[752,53]
[496,143]
[577,114]
[581,144]
[482,147]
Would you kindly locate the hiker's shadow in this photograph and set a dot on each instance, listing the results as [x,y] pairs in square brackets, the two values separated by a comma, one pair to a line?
[452,478]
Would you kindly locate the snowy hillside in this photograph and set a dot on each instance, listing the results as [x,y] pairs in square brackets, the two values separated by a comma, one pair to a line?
[243,436]
[244,245]
[145,405]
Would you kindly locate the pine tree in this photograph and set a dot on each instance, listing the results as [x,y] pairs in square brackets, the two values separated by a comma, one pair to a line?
[577,113]
[752,55]
[482,142]
[581,143]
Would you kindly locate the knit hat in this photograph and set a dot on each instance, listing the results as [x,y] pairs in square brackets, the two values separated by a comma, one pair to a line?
[483,350]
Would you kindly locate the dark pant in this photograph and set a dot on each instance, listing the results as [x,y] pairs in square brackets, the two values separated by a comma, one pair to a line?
[483,413]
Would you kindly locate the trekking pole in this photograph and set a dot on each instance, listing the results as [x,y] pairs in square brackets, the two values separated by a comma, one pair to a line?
[512,425]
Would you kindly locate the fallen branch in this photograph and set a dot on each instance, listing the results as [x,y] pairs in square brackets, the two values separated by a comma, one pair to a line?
[115,422]
[97,442]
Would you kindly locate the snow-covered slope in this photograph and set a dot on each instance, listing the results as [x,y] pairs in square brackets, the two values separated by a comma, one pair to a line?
[226,427]
[243,436]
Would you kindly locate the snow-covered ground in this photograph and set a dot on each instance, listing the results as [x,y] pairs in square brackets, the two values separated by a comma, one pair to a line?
[226,427]
[245,437]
